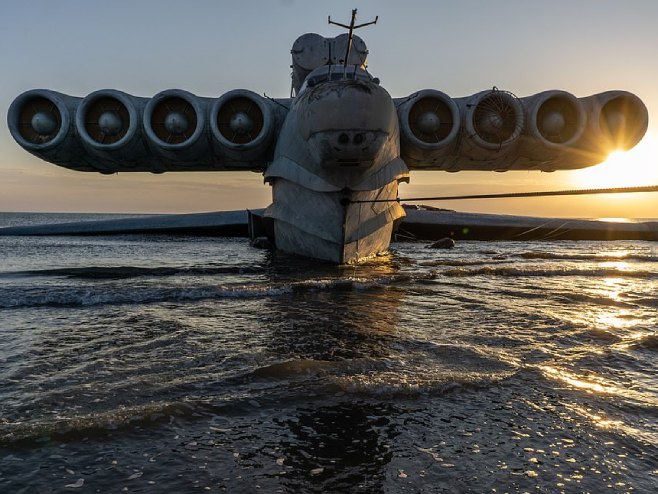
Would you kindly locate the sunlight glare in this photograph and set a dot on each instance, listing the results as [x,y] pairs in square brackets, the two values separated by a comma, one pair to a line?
[636,167]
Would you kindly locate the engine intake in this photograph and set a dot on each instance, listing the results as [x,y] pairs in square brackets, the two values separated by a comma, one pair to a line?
[41,122]
[429,125]
[494,119]
[175,125]
[556,118]
[174,117]
[39,119]
[108,125]
[107,120]
[242,124]
[623,119]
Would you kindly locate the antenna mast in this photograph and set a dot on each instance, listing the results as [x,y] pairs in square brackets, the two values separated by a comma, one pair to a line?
[351,29]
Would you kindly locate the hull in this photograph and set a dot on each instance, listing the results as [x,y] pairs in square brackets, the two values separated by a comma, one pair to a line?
[339,145]
[322,226]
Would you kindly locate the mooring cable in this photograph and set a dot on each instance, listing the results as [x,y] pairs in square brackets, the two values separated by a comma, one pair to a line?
[574,192]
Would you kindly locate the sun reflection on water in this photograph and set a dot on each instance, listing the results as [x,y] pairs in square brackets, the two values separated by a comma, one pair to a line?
[591,384]
[612,288]
[618,265]
[600,420]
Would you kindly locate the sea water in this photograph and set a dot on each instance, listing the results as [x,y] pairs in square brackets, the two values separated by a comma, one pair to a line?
[183,364]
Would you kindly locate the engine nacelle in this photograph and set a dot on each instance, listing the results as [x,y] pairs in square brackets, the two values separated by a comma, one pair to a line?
[565,132]
[108,123]
[429,126]
[41,121]
[175,125]
[556,122]
[242,126]
[621,119]
[555,119]
[110,131]
[551,130]
[493,121]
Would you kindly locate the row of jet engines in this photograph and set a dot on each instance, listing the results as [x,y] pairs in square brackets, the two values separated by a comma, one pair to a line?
[110,131]
[495,130]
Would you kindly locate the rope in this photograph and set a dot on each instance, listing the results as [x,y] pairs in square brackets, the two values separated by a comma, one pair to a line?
[575,192]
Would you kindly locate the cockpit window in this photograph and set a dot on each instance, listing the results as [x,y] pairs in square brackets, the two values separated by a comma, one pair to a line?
[334,73]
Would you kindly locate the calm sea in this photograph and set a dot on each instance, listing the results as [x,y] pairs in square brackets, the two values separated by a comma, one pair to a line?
[181,364]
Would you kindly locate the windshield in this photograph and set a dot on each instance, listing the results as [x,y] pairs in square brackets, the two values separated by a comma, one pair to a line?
[334,73]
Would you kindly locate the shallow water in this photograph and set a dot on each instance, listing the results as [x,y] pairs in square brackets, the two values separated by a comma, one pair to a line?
[185,364]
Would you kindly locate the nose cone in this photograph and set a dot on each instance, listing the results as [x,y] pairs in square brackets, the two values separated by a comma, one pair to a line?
[347,122]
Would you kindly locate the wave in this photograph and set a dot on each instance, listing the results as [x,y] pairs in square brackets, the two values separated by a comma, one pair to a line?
[403,385]
[587,299]
[527,272]
[74,296]
[126,272]
[90,424]
[647,302]
[83,297]
[305,379]
[649,342]
[421,368]
[567,297]
[461,263]
[414,368]
[587,257]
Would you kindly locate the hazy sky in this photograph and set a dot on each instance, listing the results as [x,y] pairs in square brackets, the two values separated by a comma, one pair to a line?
[209,47]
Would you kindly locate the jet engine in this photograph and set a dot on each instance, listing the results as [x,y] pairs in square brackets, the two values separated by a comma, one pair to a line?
[554,119]
[495,130]
[242,125]
[110,131]
[622,119]
[493,120]
[565,132]
[429,126]
[479,132]
[175,126]
[555,122]
[41,121]
[109,126]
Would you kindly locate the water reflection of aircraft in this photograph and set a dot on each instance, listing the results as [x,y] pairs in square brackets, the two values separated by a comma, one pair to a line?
[334,330]
[335,313]
[334,153]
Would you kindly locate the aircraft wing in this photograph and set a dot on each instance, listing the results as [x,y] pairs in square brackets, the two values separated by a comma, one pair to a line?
[496,131]
[420,223]
[110,131]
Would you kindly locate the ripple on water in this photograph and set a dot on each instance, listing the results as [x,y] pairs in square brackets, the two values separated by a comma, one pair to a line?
[194,363]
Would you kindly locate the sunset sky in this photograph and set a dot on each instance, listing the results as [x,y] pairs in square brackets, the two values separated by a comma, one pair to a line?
[209,47]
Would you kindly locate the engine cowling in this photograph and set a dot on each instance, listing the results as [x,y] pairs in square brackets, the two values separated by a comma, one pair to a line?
[41,121]
[556,122]
[108,123]
[429,126]
[242,125]
[555,119]
[493,120]
[621,118]
[565,132]
[175,126]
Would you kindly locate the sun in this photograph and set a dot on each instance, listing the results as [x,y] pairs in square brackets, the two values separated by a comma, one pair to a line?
[638,166]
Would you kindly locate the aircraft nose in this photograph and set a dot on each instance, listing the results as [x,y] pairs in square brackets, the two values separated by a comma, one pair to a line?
[347,122]
[349,147]
[352,140]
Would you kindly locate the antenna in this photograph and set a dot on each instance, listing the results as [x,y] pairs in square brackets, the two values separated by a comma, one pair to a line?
[351,29]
